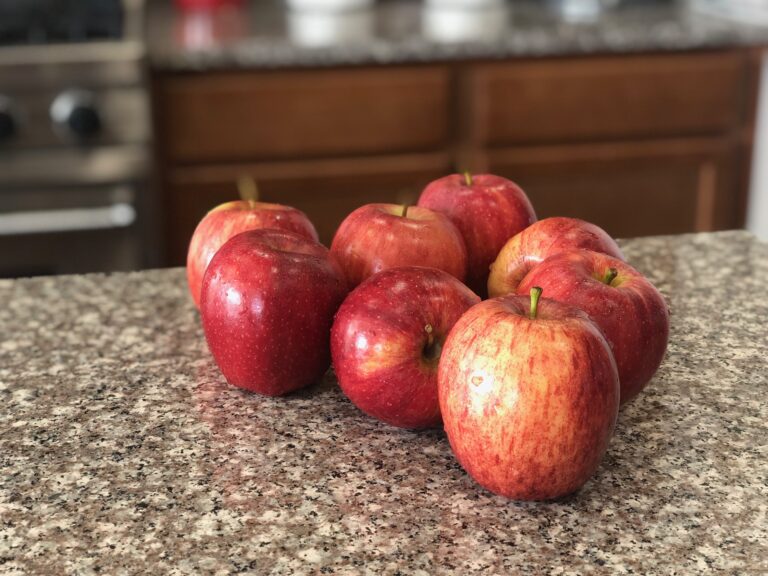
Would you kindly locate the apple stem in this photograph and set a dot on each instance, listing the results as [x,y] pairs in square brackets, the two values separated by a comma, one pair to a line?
[430,337]
[468,177]
[535,294]
[247,189]
[433,348]
[404,213]
[609,275]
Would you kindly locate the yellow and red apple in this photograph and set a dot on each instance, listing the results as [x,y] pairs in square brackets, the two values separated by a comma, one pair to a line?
[629,310]
[529,395]
[541,240]
[231,218]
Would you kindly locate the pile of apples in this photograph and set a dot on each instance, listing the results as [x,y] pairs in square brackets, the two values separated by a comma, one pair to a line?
[527,383]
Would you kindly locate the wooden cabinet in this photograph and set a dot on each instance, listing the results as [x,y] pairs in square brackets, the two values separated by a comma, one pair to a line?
[629,189]
[606,98]
[290,115]
[639,144]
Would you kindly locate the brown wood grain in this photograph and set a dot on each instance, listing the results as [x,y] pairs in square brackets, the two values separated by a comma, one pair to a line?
[628,188]
[304,114]
[607,98]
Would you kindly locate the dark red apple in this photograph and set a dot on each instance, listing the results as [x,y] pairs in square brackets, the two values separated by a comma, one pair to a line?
[529,395]
[488,210]
[541,240]
[231,218]
[379,236]
[387,338]
[629,310]
[267,307]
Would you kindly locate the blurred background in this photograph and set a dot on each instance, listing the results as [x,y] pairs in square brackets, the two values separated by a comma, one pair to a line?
[122,122]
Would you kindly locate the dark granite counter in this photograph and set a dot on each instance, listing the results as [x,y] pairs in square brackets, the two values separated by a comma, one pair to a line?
[265,34]
[123,451]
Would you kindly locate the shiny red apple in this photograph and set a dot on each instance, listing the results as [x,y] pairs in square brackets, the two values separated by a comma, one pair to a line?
[630,311]
[231,218]
[267,307]
[387,339]
[541,240]
[529,395]
[488,210]
[379,236]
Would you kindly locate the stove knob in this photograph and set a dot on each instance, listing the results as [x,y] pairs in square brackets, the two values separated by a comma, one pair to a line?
[8,121]
[76,114]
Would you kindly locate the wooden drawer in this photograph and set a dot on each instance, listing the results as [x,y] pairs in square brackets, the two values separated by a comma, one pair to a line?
[593,99]
[322,113]
[327,191]
[632,189]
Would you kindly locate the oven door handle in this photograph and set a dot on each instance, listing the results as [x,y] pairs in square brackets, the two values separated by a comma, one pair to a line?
[120,215]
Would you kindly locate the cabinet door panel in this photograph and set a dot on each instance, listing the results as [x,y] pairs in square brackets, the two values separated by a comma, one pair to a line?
[628,189]
[327,191]
[607,98]
[304,114]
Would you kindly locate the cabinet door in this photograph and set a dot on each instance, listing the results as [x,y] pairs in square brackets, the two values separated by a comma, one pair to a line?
[631,189]
[325,190]
[272,116]
[606,98]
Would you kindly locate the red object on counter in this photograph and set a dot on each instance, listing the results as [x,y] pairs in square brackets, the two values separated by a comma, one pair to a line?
[204,4]
[218,22]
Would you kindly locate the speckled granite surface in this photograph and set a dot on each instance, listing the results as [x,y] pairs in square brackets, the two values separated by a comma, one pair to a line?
[123,451]
[265,34]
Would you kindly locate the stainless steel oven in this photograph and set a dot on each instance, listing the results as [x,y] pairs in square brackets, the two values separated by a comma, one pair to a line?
[74,138]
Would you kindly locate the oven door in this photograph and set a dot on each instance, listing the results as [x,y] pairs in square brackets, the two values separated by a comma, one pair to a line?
[73,210]
[65,229]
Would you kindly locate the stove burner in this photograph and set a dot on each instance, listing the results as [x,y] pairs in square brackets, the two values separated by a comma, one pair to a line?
[55,21]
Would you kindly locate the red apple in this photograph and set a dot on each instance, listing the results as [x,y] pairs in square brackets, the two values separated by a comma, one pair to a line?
[379,236]
[231,218]
[529,395]
[540,240]
[267,307]
[387,338]
[488,210]
[629,309]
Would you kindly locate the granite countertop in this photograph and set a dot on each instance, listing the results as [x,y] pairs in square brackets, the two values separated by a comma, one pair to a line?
[265,34]
[124,451]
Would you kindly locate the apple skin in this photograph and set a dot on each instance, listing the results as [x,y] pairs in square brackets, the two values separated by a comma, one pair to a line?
[375,237]
[231,218]
[267,307]
[384,357]
[630,311]
[540,240]
[488,211]
[529,405]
